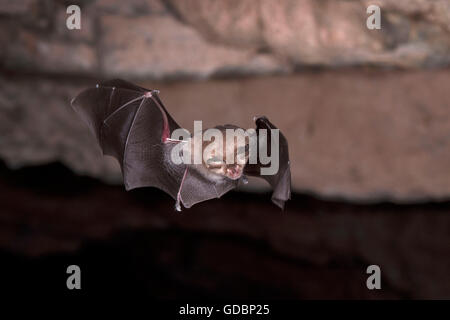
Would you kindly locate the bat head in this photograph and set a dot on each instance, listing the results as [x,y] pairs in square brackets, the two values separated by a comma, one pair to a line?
[227,158]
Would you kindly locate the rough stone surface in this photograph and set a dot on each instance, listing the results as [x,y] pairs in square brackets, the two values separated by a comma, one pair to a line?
[38,40]
[38,126]
[308,32]
[130,7]
[360,134]
[354,134]
[50,56]
[16,8]
[365,136]
[195,38]
[162,46]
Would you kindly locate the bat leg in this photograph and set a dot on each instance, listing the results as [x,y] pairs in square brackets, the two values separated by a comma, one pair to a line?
[178,203]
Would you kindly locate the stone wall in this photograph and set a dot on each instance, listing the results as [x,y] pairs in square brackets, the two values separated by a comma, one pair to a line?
[196,38]
[366,113]
[371,132]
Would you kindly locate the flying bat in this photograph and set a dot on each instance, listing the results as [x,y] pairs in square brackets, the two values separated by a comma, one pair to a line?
[131,124]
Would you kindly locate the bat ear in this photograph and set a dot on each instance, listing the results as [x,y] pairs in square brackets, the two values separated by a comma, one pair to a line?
[256,118]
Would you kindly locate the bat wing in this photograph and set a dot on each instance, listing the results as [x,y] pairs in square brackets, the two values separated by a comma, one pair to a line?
[197,188]
[132,125]
[281,181]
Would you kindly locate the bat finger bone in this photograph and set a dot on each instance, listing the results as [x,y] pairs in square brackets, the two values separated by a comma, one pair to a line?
[170,140]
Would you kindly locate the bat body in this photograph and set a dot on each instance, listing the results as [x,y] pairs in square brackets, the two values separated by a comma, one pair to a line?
[132,125]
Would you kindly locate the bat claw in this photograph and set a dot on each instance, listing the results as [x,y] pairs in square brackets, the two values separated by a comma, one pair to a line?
[177,206]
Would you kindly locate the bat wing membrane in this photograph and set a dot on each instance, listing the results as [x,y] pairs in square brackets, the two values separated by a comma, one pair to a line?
[129,125]
[281,181]
[197,188]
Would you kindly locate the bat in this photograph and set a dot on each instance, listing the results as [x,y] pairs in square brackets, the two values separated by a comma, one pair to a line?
[131,124]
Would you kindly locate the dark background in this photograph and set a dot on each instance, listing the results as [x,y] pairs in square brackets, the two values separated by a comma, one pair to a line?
[366,113]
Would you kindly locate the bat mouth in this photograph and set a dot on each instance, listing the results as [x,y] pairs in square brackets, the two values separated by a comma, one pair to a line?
[234,172]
